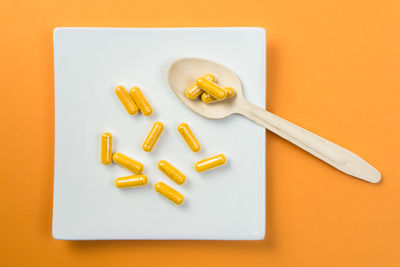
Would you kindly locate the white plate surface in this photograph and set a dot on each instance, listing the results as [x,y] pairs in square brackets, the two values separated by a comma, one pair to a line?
[227,203]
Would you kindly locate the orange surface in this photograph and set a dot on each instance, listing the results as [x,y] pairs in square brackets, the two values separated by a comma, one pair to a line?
[333,68]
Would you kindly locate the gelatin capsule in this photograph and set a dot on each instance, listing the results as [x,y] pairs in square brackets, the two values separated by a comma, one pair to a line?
[126,100]
[106,148]
[169,193]
[210,163]
[189,137]
[141,101]
[131,181]
[212,88]
[128,163]
[230,92]
[173,173]
[207,98]
[194,91]
[153,136]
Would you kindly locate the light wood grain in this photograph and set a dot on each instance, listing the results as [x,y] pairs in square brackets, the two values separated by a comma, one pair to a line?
[184,72]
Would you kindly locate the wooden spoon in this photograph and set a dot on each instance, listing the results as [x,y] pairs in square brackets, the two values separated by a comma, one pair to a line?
[183,73]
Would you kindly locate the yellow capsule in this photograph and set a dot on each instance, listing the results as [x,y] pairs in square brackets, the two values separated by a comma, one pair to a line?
[169,193]
[194,91]
[106,148]
[141,101]
[189,137]
[230,92]
[131,181]
[207,98]
[128,163]
[212,88]
[171,172]
[126,100]
[153,136]
[210,163]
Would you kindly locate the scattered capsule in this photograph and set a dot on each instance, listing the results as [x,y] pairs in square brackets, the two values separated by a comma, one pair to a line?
[189,137]
[106,148]
[169,193]
[141,101]
[153,136]
[194,91]
[171,172]
[210,163]
[131,181]
[207,98]
[212,88]
[128,163]
[126,100]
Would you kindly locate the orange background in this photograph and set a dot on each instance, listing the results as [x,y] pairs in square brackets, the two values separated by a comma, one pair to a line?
[333,68]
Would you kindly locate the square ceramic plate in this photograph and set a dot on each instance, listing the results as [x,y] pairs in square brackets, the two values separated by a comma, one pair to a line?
[227,203]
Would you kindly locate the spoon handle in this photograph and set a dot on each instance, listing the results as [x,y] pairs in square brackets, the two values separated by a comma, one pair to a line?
[336,156]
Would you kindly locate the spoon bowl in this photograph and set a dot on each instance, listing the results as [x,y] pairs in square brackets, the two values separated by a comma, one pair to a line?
[183,73]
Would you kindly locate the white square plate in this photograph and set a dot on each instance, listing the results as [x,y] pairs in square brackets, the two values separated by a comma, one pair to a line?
[227,203]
